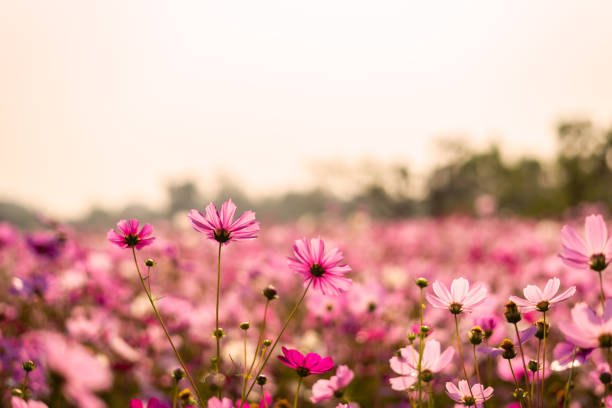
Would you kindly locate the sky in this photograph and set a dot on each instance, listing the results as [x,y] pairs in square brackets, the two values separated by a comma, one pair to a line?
[105,102]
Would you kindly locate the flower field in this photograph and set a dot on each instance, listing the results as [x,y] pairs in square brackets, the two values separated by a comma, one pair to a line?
[320,312]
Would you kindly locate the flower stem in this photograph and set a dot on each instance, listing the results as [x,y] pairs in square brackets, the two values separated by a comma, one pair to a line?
[297,393]
[461,355]
[263,365]
[566,398]
[429,396]
[161,322]
[261,332]
[537,373]
[478,375]
[526,373]
[218,362]
[543,358]
[515,381]
[419,384]
[601,293]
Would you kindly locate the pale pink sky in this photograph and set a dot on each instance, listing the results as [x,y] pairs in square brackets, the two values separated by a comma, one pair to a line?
[102,102]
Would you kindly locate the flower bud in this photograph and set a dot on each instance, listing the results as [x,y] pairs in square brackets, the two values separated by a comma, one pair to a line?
[262,379]
[178,374]
[150,263]
[519,394]
[28,366]
[245,325]
[267,342]
[512,313]
[411,337]
[476,335]
[605,378]
[425,329]
[282,403]
[541,325]
[508,346]
[532,366]
[218,333]
[17,392]
[270,292]
[422,283]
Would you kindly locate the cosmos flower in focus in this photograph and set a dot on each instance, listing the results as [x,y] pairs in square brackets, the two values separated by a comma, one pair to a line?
[312,363]
[220,225]
[593,253]
[463,395]
[310,260]
[541,300]
[460,298]
[129,236]
[323,390]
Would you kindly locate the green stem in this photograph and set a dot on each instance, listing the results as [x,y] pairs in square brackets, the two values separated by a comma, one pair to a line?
[526,373]
[478,375]
[218,362]
[263,395]
[429,396]
[161,322]
[419,384]
[601,293]
[297,393]
[263,365]
[461,356]
[259,340]
[543,359]
[515,381]
[537,373]
[175,394]
[566,399]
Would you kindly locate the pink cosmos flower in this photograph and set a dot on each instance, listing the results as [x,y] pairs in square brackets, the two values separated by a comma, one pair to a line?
[312,363]
[153,403]
[17,402]
[220,225]
[460,297]
[311,261]
[463,395]
[587,329]
[215,402]
[323,390]
[593,253]
[130,237]
[564,356]
[407,364]
[541,301]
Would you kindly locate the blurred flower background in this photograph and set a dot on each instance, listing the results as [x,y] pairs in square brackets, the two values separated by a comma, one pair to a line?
[422,139]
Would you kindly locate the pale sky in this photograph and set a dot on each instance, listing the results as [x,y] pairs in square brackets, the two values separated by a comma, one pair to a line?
[103,102]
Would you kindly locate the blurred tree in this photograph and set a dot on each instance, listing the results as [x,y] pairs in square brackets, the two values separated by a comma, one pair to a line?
[183,197]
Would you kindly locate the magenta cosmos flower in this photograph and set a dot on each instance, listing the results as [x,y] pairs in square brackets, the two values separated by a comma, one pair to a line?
[587,329]
[323,390]
[312,363]
[220,225]
[406,365]
[129,236]
[542,300]
[311,261]
[460,297]
[593,253]
[463,395]
[153,403]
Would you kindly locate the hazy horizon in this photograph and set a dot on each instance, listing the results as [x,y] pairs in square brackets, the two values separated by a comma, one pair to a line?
[103,103]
